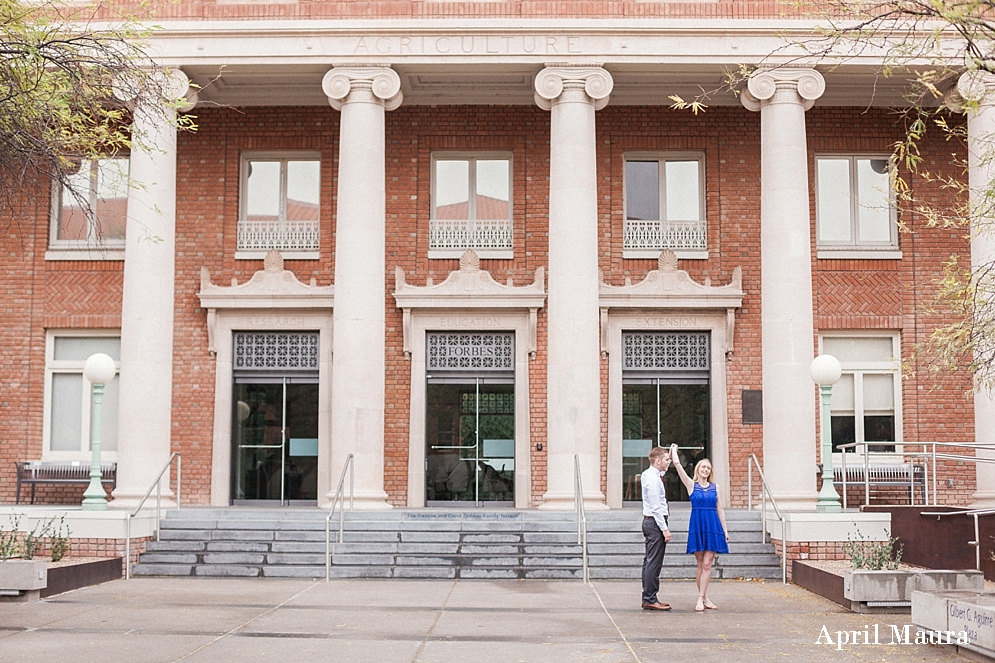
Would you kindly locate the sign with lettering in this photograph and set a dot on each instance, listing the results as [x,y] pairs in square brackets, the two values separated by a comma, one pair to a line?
[469,45]
[279,321]
[977,621]
[668,321]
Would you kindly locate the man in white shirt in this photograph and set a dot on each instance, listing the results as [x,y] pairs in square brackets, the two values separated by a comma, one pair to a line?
[655,528]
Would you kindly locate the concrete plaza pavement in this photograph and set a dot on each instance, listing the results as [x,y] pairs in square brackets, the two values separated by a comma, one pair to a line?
[167,620]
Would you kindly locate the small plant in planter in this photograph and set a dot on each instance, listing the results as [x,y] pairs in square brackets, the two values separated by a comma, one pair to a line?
[873,555]
[10,539]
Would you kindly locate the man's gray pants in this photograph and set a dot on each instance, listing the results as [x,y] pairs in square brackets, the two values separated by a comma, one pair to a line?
[653,561]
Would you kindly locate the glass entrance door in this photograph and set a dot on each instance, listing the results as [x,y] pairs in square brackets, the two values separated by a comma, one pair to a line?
[656,412]
[275,441]
[470,442]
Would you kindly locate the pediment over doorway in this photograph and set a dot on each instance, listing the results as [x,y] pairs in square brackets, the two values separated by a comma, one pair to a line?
[272,287]
[669,288]
[470,287]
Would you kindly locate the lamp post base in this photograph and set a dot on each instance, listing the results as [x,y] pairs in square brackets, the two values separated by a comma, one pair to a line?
[94,499]
[829,500]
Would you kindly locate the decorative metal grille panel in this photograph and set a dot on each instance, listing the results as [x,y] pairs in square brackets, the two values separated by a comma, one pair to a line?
[682,351]
[469,234]
[271,351]
[687,235]
[490,403]
[478,351]
[280,235]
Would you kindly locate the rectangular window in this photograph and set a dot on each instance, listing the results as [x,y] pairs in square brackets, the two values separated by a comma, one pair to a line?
[68,399]
[91,210]
[855,206]
[665,206]
[866,403]
[279,205]
[471,205]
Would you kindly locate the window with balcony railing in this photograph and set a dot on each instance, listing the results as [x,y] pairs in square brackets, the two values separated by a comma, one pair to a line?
[280,206]
[664,206]
[471,206]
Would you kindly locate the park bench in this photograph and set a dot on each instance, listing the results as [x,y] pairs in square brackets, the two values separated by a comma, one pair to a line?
[34,472]
[910,475]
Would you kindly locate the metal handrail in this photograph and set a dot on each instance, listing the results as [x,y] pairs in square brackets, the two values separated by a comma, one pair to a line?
[157,484]
[977,535]
[339,494]
[765,491]
[581,518]
[929,456]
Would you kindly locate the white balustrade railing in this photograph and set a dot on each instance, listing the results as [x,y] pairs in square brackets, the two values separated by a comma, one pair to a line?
[280,235]
[676,235]
[452,234]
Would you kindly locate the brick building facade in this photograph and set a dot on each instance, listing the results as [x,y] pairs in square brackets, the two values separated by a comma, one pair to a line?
[474,366]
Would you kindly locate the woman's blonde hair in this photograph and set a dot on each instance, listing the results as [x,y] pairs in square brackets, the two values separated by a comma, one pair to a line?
[698,467]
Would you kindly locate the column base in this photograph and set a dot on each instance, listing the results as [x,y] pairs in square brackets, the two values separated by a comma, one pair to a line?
[804,503]
[366,502]
[565,502]
[983,499]
[129,500]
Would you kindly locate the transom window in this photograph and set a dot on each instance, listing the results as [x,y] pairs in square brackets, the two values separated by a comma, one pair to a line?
[855,206]
[279,206]
[68,406]
[480,351]
[273,351]
[92,209]
[661,350]
[664,206]
[866,406]
[471,205]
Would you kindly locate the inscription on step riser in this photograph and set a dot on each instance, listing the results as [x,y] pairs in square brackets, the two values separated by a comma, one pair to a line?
[469,45]
[669,322]
[284,322]
[471,323]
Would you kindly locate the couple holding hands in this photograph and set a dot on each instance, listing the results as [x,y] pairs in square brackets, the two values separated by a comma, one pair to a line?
[707,531]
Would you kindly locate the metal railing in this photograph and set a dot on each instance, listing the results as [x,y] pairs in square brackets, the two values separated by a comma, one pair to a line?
[765,494]
[339,496]
[928,455]
[977,535]
[581,518]
[157,485]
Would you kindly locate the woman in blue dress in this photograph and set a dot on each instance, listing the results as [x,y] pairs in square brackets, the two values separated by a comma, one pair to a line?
[707,532]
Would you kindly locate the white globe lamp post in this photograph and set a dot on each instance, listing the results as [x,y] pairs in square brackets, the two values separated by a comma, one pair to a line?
[825,371]
[99,369]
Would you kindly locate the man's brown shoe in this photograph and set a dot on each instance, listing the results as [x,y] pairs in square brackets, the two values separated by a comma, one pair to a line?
[656,606]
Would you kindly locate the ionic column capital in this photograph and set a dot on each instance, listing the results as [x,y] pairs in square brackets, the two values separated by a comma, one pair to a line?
[378,84]
[973,88]
[783,85]
[551,82]
[173,84]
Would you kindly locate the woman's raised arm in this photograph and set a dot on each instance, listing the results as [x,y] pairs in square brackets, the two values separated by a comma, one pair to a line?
[685,479]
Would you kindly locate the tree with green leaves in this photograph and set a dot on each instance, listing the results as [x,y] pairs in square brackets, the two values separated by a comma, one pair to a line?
[65,85]
[943,48]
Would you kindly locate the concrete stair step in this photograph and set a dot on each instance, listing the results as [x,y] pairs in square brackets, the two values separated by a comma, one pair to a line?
[499,543]
[143,569]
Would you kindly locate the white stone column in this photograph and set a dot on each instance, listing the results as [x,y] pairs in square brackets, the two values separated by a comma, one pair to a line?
[782,96]
[573,372]
[362,95]
[146,399]
[978,88]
